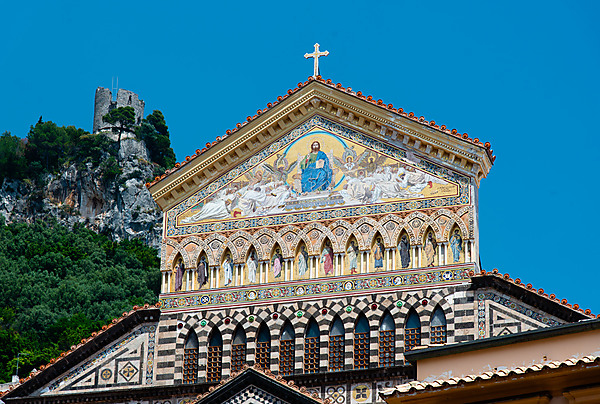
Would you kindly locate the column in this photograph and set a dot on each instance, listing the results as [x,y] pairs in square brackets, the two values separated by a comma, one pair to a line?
[394,253]
[388,258]
[419,256]
[368,263]
[343,258]
[168,281]
[163,282]
[468,251]
[311,269]
[286,275]
[362,262]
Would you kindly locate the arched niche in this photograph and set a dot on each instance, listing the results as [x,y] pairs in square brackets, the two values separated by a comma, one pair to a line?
[251,272]
[404,256]
[378,258]
[456,246]
[277,266]
[429,250]
[178,274]
[203,273]
[352,257]
[226,269]
[327,259]
[302,264]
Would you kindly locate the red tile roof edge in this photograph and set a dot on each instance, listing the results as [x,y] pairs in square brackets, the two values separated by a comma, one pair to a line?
[540,291]
[339,87]
[84,341]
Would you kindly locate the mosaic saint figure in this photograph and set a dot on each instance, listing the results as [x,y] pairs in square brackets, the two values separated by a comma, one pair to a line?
[302,262]
[251,264]
[404,249]
[316,171]
[327,259]
[202,272]
[378,254]
[352,252]
[430,248]
[228,270]
[456,245]
[276,263]
[179,271]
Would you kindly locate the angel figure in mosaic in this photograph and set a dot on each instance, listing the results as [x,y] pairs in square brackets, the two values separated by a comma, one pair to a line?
[251,265]
[378,252]
[302,262]
[327,259]
[430,249]
[456,242]
[277,263]
[228,270]
[179,272]
[370,160]
[202,269]
[404,250]
[352,253]
[280,168]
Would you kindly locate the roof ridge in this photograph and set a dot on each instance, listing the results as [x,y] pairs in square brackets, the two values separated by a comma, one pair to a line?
[337,86]
[517,281]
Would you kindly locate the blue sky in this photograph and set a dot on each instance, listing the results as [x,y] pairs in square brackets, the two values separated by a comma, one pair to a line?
[521,75]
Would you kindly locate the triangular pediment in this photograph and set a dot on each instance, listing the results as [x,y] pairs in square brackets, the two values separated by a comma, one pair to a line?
[319,170]
[316,99]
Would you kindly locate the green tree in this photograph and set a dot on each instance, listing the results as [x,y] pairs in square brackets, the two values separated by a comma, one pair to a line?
[47,143]
[122,117]
[12,157]
[155,133]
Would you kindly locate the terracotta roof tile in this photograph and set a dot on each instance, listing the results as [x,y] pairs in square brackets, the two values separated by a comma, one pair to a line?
[416,386]
[338,86]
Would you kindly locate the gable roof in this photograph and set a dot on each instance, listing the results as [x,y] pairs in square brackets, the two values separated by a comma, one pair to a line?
[333,101]
[78,353]
[277,386]
[529,295]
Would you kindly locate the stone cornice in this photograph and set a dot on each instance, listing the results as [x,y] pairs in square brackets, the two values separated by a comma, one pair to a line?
[345,108]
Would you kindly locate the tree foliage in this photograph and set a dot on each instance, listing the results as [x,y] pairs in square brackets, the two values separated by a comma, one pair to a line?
[123,118]
[60,285]
[155,133]
[12,157]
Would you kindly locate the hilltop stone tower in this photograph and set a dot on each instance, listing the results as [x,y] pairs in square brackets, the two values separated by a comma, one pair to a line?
[103,103]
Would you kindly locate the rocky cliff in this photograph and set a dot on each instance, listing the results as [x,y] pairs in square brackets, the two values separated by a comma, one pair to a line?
[120,207]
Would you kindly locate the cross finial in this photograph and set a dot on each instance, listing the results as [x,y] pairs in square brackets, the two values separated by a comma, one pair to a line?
[315,55]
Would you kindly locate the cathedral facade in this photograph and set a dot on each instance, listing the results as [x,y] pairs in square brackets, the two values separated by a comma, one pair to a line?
[318,241]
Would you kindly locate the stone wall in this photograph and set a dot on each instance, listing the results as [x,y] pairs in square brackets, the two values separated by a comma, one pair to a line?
[103,103]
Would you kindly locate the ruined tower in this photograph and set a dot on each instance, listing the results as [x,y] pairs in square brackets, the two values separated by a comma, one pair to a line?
[103,103]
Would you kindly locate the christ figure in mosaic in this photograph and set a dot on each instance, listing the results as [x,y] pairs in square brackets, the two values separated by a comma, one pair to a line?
[430,248]
[228,270]
[179,271]
[456,245]
[378,254]
[327,259]
[276,263]
[251,264]
[352,252]
[202,269]
[316,171]
[302,262]
[404,250]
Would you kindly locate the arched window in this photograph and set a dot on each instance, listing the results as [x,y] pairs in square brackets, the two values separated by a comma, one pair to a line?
[361,343]
[412,331]
[387,340]
[190,358]
[215,356]
[263,347]
[438,326]
[336,345]
[286,350]
[311,347]
[238,349]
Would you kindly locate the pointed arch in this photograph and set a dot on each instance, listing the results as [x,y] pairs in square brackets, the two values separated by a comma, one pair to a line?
[353,231]
[327,260]
[190,358]
[263,347]
[286,349]
[438,326]
[336,344]
[238,349]
[177,249]
[302,236]
[387,340]
[404,250]
[378,252]
[200,246]
[312,337]
[267,238]
[375,227]
[215,356]
[412,331]
[362,332]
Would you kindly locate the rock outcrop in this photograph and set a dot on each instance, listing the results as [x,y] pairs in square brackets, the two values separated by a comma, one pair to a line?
[120,207]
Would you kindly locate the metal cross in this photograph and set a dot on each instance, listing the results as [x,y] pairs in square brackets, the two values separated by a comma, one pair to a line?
[315,55]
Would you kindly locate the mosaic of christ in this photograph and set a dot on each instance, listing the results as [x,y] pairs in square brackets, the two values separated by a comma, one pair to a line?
[318,170]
